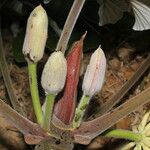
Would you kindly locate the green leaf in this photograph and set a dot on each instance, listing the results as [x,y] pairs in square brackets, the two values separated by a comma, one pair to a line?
[51,40]
[17,47]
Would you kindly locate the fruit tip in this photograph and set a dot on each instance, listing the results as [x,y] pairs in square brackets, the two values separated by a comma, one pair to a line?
[83,36]
[39,8]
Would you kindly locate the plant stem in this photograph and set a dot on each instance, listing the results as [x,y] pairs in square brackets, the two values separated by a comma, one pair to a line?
[69,25]
[80,110]
[34,92]
[123,134]
[48,111]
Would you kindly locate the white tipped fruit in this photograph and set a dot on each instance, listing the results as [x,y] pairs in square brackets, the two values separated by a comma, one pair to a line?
[54,73]
[36,35]
[95,73]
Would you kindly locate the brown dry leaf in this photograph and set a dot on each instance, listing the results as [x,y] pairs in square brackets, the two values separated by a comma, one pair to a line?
[2,90]
[125,53]
[115,63]
[21,86]
[111,86]
[10,137]
[98,143]
[125,123]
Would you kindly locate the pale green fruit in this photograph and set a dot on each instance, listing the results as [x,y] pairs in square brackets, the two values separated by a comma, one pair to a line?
[95,73]
[36,35]
[54,73]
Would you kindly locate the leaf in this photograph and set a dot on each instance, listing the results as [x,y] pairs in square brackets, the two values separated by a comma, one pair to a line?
[33,133]
[142,18]
[21,123]
[46,1]
[17,47]
[111,11]
[51,40]
[126,22]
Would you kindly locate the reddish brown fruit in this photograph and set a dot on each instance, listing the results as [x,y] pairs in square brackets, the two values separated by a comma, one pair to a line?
[65,107]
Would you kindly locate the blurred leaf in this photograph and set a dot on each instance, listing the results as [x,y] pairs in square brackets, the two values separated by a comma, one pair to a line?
[126,22]
[115,12]
[51,40]
[16,6]
[17,47]
[46,1]
[111,11]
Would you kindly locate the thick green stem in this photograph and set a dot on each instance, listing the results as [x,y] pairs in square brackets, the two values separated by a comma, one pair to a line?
[80,110]
[34,92]
[48,111]
[123,134]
